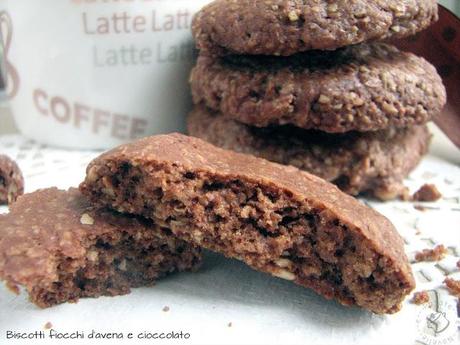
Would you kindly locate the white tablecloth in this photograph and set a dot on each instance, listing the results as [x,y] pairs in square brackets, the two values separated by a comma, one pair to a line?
[228,303]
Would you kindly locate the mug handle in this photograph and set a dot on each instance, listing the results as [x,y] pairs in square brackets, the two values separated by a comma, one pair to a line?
[3,96]
[10,78]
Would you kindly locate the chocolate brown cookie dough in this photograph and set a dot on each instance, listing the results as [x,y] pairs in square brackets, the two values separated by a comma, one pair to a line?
[374,163]
[275,218]
[11,180]
[61,249]
[281,27]
[362,88]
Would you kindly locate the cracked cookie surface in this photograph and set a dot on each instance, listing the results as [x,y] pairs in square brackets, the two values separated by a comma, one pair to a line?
[362,88]
[285,27]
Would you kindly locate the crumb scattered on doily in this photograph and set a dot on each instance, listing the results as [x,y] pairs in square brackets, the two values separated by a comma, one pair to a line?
[230,324]
[420,208]
[13,288]
[436,254]
[421,297]
[453,286]
[166,309]
[428,192]
[48,325]
[405,194]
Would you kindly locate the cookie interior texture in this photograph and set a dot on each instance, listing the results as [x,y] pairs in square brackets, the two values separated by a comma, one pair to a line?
[364,88]
[278,27]
[61,249]
[277,219]
[374,163]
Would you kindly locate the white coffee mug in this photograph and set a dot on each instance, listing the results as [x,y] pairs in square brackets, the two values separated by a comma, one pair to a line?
[95,73]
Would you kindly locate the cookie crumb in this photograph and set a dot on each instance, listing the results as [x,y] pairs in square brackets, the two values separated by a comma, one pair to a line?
[436,254]
[453,286]
[13,288]
[230,324]
[11,181]
[48,325]
[421,297]
[428,192]
[405,194]
[420,208]
[166,309]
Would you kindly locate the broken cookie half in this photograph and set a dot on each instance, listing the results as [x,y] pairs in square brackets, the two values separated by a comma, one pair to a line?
[60,248]
[275,218]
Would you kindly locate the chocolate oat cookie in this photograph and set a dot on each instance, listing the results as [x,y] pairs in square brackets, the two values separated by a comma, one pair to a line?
[61,249]
[11,180]
[275,218]
[282,27]
[374,163]
[362,88]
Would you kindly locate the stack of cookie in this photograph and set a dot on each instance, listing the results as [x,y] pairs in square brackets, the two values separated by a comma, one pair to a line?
[309,84]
